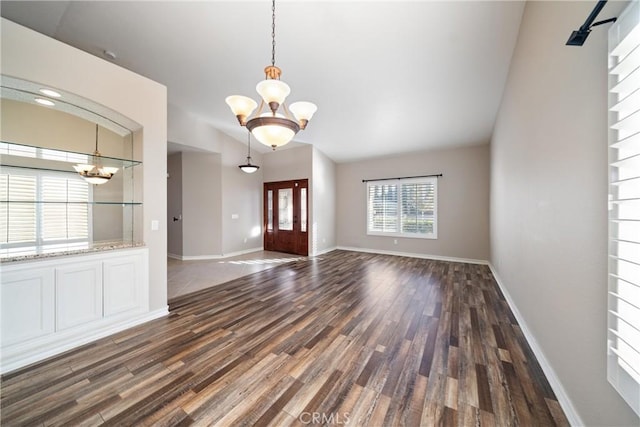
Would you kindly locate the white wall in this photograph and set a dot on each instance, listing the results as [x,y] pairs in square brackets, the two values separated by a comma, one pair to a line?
[549,203]
[323,236]
[463,202]
[31,56]
[188,129]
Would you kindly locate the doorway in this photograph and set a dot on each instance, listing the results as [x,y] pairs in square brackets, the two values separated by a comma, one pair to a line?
[286,216]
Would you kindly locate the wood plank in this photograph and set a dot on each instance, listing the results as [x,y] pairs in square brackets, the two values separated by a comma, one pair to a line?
[382,340]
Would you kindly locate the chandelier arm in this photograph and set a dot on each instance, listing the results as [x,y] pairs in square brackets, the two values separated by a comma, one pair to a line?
[256,113]
[288,114]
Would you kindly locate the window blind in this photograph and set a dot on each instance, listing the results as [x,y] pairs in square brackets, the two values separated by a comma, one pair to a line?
[623,338]
[405,208]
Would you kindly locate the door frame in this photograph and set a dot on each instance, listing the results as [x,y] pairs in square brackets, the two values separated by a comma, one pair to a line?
[272,240]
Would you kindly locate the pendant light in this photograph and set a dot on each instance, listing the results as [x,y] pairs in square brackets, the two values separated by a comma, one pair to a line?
[249,168]
[277,125]
[95,173]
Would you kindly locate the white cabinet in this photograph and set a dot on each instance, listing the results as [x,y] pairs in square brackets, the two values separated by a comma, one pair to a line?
[122,290]
[27,305]
[78,294]
[52,305]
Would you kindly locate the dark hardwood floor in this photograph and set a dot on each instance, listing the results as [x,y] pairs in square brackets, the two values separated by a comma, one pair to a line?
[344,339]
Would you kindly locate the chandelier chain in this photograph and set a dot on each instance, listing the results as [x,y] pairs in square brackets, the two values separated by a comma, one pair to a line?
[273,33]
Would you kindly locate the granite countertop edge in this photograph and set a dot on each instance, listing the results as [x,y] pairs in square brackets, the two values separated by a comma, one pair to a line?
[98,248]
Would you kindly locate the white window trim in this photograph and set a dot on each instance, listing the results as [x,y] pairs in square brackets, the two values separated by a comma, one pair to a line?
[399,182]
[623,332]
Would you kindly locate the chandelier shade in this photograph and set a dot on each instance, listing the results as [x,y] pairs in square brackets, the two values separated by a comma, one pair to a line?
[273,124]
[273,131]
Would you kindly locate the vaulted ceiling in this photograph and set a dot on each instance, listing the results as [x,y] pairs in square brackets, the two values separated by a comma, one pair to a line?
[388,76]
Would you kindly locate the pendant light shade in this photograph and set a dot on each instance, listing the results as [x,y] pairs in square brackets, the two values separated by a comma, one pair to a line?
[272,124]
[248,167]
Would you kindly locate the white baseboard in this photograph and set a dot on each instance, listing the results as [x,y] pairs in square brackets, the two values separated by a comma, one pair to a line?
[414,255]
[208,257]
[554,381]
[18,356]
[325,251]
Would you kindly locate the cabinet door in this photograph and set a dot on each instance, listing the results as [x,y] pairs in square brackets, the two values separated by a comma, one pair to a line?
[78,294]
[122,284]
[27,305]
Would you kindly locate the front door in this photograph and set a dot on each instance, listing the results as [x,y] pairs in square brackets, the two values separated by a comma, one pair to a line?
[285,216]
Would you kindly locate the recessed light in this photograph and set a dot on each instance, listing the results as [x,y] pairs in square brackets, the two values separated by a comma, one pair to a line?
[46,102]
[51,93]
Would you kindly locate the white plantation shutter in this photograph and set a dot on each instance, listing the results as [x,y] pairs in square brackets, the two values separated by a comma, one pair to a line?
[18,224]
[42,207]
[418,207]
[623,348]
[78,213]
[403,208]
[383,207]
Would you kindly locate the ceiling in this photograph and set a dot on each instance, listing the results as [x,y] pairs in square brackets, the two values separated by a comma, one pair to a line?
[388,76]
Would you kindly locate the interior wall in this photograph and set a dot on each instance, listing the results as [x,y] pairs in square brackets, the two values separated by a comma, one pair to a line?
[290,164]
[286,164]
[187,129]
[241,200]
[463,202]
[55,129]
[201,204]
[59,130]
[549,202]
[324,207]
[174,205]
[32,56]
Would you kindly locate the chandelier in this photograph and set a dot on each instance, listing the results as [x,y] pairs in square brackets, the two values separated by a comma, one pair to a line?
[95,173]
[277,125]
[249,168]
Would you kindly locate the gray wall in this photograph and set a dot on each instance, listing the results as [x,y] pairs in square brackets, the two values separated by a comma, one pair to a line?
[307,162]
[549,201]
[241,200]
[288,163]
[463,202]
[201,204]
[174,204]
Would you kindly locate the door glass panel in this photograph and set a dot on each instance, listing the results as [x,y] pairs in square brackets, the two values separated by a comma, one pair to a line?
[285,209]
[270,210]
[303,210]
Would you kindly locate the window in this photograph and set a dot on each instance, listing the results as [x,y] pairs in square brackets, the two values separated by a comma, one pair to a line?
[403,208]
[42,207]
[623,337]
